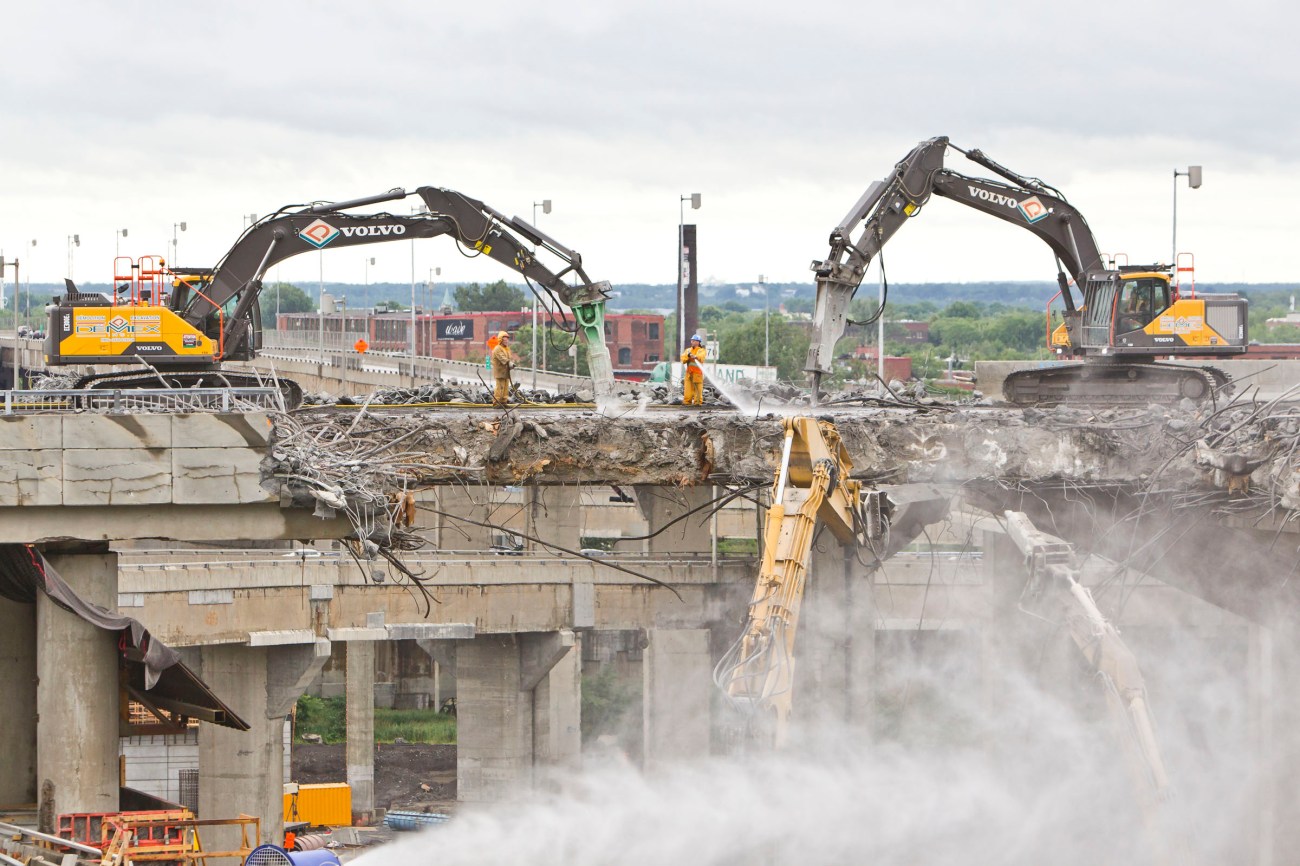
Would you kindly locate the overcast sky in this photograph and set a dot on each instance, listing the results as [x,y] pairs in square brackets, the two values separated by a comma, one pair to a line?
[139,115]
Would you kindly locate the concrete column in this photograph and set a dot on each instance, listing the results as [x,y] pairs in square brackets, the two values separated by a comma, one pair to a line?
[661,505]
[861,646]
[557,715]
[241,771]
[1261,694]
[555,514]
[494,730]
[822,645]
[18,685]
[442,655]
[474,503]
[77,699]
[1275,652]
[517,707]
[360,692]
[1004,647]
[678,677]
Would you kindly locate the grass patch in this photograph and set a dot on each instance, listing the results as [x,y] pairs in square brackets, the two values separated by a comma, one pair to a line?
[327,718]
[414,726]
[732,546]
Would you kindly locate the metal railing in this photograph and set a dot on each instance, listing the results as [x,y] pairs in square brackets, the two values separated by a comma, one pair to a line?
[142,400]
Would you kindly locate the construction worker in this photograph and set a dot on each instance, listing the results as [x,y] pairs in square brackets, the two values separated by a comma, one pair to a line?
[502,361]
[693,373]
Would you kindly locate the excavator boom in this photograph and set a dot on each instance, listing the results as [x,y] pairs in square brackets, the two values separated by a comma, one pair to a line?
[1094,323]
[213,315]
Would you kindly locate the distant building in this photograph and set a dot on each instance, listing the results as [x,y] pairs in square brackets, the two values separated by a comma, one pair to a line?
[636,342]
[915,332]
[896,367]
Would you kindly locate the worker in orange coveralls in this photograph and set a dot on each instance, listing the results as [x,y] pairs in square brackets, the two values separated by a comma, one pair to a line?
[502,361]
[693,373]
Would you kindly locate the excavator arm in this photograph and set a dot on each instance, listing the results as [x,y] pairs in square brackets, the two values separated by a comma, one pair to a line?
[1054,589]
[224,304]
[811,487]
[889,203]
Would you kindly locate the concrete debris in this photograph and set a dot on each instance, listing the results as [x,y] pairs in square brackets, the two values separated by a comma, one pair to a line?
[363,463]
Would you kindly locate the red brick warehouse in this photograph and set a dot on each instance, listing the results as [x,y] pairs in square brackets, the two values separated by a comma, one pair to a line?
[635,341]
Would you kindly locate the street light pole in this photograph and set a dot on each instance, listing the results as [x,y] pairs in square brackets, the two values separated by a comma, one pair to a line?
[1193,175]
[17,365]
[175,242]
[767,322]
[694,199]
[545,205]
[74,241]
[28,298]
[117,242]
[414,210]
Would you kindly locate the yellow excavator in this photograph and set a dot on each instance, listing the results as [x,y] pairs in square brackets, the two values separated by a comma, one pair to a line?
[176,326]
[813,487]
[1123,321]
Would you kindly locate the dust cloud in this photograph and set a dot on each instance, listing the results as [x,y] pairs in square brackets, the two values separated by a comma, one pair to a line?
[1020,767]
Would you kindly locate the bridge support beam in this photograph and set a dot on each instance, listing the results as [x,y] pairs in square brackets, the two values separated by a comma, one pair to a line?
[834,679]
[243,771]
[662,505]
[77,699]
[555,515]
[18,685]
[678,687]
[517,703]
[360,697]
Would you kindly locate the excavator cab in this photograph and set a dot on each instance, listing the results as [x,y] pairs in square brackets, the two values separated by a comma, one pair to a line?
[1140,300]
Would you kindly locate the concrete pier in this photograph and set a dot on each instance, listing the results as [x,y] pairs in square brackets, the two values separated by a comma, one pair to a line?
[512,691]
[360,691]
[678,690]
[18,685]
[77,703]
[242,772]
[662,505]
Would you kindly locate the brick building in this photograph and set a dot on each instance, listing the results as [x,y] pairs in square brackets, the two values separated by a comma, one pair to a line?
[636,342]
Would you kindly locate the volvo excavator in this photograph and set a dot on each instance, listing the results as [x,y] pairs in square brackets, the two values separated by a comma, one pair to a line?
[1123,319]
[179,325]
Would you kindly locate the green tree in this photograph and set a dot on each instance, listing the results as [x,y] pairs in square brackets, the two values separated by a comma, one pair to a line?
[1019,330]
[742,339]
[954,332]
[494,296]
[285,297]
[962,310]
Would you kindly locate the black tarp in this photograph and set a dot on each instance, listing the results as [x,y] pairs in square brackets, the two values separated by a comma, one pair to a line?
[155,673]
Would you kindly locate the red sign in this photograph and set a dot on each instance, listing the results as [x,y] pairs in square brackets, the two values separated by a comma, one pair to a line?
[361,345]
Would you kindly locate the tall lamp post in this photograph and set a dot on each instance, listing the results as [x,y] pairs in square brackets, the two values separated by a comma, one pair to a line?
[694,199]
[545,205]
[74,241]
[176,242]
[767,321]
[17,365]
[117,242]
[1193,175]
[28,297]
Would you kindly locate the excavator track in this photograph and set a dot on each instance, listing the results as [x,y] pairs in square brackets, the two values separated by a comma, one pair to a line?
[1113,384]
[147,379]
